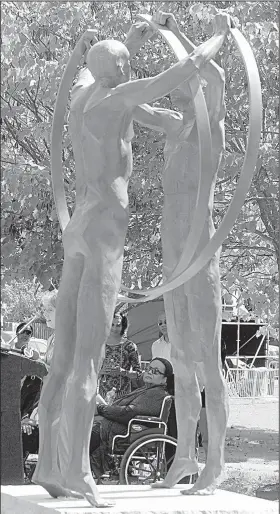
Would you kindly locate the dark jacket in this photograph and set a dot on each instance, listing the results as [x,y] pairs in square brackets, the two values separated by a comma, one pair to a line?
[144,401]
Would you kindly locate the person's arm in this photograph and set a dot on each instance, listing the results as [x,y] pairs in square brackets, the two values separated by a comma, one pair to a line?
[29,352]
[134,360]
[162,120]
[118,413]
[29,367]
[145,90]
[148,404]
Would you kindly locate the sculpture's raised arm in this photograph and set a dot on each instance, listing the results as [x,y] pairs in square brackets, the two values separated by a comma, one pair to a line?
[145,90]
[138,34]
[168,20]
[211,72]
[155,118]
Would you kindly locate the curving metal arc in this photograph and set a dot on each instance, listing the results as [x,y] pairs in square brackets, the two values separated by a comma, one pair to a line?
[255,123]
[56,140]
[205,148]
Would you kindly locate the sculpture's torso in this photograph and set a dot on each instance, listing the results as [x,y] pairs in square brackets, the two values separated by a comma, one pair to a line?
[101,132]
[180,185]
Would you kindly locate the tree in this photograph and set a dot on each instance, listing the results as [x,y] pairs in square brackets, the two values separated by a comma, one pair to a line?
[21,300]
[37,39]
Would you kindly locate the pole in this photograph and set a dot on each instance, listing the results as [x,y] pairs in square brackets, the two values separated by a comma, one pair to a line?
[22,329]
[238,337]
[256,354]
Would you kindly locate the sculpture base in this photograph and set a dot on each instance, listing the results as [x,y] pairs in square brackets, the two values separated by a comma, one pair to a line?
[32,499]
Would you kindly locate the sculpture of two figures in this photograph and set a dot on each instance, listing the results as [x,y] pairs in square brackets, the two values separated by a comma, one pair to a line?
[104,103]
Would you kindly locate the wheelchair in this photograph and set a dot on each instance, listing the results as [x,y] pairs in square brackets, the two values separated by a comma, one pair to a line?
[144,454]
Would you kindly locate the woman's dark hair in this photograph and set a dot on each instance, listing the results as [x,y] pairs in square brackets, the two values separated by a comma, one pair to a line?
[168,373]
[124,322]
[170,384]
[28,328]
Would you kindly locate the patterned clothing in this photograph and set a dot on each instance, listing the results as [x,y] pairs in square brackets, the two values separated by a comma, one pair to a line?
[124,354]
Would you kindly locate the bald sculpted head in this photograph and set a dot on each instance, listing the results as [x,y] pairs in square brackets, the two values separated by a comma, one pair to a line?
[108,62]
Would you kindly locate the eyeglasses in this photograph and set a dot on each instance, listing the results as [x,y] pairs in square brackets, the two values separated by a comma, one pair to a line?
[154,371]
[160,323]
[27,332]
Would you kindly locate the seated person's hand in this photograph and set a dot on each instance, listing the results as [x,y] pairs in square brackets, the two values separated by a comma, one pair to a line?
[99,401]
[28,425]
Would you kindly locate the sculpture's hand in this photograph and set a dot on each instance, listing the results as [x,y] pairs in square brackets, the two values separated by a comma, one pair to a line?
[87,39]
[138,34]
[167,20]
[222,23]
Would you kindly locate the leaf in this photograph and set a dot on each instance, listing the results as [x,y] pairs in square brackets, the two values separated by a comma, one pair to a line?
[8,249]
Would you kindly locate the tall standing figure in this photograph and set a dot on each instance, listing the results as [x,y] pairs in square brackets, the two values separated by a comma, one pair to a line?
[193,310]
[101,116]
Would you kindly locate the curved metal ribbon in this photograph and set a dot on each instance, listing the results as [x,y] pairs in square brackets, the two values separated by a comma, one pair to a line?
[56,140]
[185,273]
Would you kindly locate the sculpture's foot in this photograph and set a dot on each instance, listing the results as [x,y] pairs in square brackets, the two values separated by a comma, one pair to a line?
[54,485]
[87,488]
[180,468]
[207,482]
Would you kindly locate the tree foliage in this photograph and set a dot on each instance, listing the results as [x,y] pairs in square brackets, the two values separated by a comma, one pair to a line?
[37,39]
[21,299]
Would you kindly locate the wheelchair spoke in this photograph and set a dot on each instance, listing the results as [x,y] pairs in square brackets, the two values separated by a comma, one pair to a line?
[147,460]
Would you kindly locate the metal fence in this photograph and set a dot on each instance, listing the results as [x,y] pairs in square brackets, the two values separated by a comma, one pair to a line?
[253,383]
[250,383]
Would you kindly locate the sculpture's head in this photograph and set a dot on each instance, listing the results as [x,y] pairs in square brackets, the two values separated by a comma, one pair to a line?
[108,62]
[49,306]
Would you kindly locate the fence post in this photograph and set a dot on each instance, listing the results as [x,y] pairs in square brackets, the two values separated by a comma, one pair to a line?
[254,386]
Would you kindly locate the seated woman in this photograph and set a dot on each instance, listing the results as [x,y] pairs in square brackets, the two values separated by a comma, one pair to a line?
[113,420]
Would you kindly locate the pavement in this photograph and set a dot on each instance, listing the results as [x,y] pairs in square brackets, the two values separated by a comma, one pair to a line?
[252,448]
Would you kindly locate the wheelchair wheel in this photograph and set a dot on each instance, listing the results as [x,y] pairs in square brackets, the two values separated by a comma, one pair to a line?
[147,460]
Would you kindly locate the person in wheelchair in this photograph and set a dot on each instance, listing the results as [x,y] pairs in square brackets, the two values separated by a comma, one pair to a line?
[113,419]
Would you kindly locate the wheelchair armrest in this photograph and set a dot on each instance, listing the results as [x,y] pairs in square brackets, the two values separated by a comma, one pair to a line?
[148,418]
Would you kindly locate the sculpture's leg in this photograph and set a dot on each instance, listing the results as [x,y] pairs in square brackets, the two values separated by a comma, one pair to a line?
[187,392]
[47,473]
[206,313]
[96,302]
